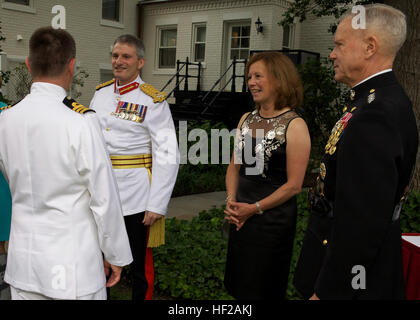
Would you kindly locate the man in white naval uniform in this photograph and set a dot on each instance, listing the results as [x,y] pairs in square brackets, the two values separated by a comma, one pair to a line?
[67,225]
[141,140]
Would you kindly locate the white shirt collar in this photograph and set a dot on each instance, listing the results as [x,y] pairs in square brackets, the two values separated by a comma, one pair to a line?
[46,88]
[374,75]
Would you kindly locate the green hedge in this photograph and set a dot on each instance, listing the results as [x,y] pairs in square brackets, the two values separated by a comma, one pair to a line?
[192,263]
[201,178]
[193,179]
[410,214]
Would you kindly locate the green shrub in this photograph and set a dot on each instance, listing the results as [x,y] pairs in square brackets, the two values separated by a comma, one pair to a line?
[410,213]
[200,178]
[194,179]
[302,222]
[323,102]
[191,264]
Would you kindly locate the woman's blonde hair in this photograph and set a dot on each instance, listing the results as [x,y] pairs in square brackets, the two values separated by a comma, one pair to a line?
[285,75]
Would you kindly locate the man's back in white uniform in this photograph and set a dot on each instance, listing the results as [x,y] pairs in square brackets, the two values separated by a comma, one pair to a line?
[66,209]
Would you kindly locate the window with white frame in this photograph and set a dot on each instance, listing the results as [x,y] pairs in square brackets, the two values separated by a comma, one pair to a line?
[199,44]
[167,47]
[111,10]
[288,36]
[239,44]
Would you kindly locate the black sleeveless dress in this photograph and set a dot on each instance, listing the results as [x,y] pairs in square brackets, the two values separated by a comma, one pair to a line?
[259,254]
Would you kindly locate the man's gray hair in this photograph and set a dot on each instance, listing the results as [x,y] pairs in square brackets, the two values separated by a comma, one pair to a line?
[388,24]
[134,41]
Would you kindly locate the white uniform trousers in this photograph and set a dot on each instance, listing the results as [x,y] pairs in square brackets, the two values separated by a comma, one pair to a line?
[18,294]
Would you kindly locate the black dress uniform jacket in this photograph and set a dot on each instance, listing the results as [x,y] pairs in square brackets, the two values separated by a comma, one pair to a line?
[353,251]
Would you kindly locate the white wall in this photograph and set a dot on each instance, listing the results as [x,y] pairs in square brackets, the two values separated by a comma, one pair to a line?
[83,19]
[314,35]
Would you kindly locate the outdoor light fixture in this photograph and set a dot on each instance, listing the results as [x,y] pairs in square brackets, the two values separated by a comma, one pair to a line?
[258,25]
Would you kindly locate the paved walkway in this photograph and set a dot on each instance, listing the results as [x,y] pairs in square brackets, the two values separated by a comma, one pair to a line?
[187,207]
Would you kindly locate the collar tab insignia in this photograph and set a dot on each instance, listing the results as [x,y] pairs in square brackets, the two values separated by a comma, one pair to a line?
[371,96]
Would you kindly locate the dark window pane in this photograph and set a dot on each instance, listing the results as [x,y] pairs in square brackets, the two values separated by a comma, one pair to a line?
[286,36]
[201,34]
[22,2]
[200,49]
[111,10]
[167,58]
[245,31]
[245,43]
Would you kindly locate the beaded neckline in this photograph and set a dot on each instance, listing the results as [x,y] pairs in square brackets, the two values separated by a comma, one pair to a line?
[274,136]
[267,118]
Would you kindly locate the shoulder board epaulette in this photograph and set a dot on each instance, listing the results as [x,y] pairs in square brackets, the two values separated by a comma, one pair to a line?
[72,104]
[158,96]
[105,84]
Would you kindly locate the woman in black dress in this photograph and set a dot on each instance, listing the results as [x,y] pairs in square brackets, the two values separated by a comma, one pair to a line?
[263,178]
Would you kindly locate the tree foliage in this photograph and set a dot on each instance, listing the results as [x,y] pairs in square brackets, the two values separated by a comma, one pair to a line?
[323,102]
[302,8]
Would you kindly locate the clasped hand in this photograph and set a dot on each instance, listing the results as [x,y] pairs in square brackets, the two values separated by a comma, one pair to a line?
[238,212]
[150,218]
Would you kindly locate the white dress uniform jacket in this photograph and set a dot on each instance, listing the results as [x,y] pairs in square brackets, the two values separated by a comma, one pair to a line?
[155,135]
[66,208]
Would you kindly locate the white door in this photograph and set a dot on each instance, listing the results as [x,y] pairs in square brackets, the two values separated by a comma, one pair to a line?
[237,45]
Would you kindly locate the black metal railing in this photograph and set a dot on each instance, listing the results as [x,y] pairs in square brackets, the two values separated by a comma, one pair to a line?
[184,77]
[232,80]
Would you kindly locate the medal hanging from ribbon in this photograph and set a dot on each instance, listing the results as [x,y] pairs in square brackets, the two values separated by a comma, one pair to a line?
[130,111]
[337,132]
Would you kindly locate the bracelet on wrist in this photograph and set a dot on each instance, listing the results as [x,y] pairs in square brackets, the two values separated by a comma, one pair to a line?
[229,197]
[260,211]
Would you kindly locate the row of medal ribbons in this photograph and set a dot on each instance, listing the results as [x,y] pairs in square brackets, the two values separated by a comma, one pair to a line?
[130,111]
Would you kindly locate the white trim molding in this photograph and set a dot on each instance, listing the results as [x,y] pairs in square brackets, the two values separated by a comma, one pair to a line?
[205,5]
[113,24]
